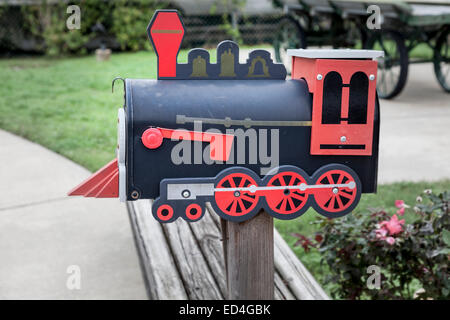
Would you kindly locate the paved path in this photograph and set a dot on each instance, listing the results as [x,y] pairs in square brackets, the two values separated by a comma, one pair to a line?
[43,232]
[415,130]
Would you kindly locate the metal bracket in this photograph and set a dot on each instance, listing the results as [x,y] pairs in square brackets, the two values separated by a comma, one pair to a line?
[114,80]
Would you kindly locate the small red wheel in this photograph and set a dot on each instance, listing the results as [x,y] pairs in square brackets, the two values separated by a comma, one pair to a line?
[193,211]
[234,202]
[338,198]
[164,212]
[286,200]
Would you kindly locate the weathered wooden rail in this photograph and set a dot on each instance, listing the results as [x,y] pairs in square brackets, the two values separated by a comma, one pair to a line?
[183,260]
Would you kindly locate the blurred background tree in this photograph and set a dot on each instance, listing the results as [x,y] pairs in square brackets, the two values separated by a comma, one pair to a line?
[39,26]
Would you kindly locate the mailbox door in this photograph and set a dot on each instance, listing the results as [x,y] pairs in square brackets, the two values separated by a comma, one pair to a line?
[343,107]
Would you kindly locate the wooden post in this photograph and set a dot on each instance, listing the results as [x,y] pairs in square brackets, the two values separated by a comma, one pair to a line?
[248,252]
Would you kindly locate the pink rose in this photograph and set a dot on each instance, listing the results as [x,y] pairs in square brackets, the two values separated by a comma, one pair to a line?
[381,233]
[394,225]
[399,204]
[401,211]
[390,240]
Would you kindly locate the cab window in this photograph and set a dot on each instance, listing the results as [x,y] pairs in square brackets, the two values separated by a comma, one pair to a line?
[357,106]
[332,97]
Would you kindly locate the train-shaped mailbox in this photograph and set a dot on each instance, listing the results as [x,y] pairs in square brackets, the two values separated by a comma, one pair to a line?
[241,136]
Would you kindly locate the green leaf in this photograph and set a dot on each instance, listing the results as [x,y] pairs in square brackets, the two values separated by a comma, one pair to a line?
[446,237]
[434,253]
[444,251]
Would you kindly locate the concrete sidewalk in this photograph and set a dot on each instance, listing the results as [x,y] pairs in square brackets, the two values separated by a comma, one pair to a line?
[415,130]
[43,232]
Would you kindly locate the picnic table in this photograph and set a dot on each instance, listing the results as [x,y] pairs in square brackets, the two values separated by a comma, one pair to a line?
[182,260]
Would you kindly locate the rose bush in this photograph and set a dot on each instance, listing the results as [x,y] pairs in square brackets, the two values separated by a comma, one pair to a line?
[412,252]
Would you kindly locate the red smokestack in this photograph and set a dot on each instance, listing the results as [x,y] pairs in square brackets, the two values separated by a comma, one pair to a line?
[166,32]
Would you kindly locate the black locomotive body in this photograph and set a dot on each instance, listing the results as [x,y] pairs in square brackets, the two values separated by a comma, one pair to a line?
[281,103]
[242,137]
[277,113]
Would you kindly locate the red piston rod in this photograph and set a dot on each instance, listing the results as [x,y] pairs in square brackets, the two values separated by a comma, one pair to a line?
[220,143]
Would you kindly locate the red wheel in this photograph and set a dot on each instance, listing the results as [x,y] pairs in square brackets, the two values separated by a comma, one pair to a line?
[285,200]
[234,202]
[193,211]
[337,198]
[164,212]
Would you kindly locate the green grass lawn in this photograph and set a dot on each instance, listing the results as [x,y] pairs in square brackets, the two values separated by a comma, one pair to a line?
[67,106]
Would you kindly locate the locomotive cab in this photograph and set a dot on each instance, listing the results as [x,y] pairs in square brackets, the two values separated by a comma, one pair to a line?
[343,84]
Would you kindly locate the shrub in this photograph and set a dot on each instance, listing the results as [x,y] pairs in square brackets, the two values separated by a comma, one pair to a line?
[411,254]
[230,6]
[47,22]
[130,21]
[124,20]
